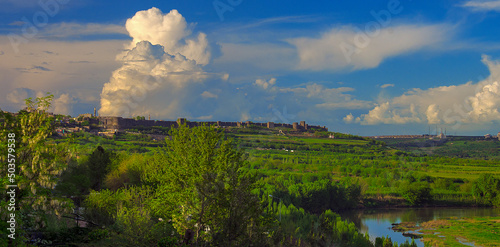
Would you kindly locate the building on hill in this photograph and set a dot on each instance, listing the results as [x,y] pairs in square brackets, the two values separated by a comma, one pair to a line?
[442,136]
[118,123]
[85,115]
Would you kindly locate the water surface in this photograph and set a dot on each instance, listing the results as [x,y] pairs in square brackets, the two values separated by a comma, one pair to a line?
[378,222]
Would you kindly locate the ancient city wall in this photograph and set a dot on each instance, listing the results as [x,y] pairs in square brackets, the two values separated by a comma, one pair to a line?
[129,123]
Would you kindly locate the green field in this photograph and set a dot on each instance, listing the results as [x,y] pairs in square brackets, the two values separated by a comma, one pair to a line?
[333,141]
[460,147]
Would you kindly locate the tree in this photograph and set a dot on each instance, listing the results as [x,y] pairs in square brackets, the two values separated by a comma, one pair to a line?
[198,181]
[98,165]
[416,193]
[486,189]
[38,163]
[75,180]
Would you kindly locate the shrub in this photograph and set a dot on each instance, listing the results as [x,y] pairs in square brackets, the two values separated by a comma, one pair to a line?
[486,189]
[134,225]
[416,193]
[128,172]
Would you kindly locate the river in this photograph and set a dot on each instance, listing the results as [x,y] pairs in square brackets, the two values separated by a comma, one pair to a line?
[377,222]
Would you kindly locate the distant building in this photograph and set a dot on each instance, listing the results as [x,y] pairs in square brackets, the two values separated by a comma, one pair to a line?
[86,115]
[487,136]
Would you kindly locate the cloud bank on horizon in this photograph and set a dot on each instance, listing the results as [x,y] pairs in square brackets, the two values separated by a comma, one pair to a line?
[464,105]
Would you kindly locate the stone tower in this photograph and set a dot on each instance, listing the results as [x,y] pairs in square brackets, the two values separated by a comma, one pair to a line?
[181,121]
[303,124]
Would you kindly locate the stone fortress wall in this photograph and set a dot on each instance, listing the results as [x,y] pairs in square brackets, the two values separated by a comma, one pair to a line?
[118,123]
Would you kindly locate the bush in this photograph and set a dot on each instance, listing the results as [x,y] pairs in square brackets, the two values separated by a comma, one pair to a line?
[486,189]
[98,234]
[128,172]
[416,193]
[101,207]
[134,225]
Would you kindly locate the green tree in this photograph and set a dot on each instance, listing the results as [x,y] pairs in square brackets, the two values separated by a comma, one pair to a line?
[98,166]
[38,162]
[75,180]
[486,189]
[416,193]
[198,181]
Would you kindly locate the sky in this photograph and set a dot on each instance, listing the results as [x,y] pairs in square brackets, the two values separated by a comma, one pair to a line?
[358,67]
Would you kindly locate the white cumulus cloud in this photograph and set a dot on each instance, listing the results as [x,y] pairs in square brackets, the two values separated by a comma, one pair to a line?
[347,47]
[207,94]
[158,69]
[483,5]
[169,30]
[148,71]
[63,104]
[432,114]
[265,84]
[387,85]
[349,118]
[18,95]
[470,105]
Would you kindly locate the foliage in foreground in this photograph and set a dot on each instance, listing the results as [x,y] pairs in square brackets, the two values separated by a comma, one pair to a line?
[196,184]
[38,165]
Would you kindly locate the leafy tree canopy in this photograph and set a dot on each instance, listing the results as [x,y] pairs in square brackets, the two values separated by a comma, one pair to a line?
[38,163]
[198,181]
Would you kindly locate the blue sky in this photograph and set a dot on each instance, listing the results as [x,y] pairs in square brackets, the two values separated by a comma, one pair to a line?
[361,67]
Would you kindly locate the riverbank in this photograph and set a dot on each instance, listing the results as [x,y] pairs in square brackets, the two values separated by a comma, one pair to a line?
[380,222]
[476,231]
[392,201]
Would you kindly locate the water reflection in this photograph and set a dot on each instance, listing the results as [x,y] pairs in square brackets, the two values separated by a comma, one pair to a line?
[377,222]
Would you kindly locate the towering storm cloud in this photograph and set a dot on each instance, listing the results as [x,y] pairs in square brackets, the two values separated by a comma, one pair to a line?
[158,65]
